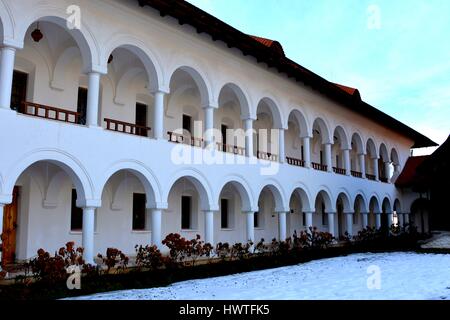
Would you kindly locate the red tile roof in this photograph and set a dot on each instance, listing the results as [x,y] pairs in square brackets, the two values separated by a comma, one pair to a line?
[353,91]
[272,44]
[347,89]
[409,174]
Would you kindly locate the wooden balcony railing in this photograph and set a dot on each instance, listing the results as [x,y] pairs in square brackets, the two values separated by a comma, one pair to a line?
[295,162]
[180,138]
[231,149]
[356,174]
[370,177]
[267,156]
[382,179]
[125,127]
[318,166]
[339,170]
[48,112]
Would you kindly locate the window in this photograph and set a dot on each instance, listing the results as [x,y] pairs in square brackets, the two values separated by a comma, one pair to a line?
[187,123]
[19,89]
[304,218]
[82,104]
[76,215]
[224,214]
[321,157]
[256,220]
[186,212]
[139,211]
[224,135]
[303,153]
[141,119]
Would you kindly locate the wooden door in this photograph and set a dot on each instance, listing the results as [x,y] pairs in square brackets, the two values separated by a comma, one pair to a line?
[10,230]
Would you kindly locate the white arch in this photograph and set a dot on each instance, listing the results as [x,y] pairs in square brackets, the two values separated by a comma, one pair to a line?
[330,206]
[342,136]
[345,198]
[6,25]
[362,200]
[84,37]
[139,48]
[386,205]
[143,173]
[275,112]
[242,97]
[324,130]
[243,188]
[371,148]
[383,152]
[397,206]
[72,166]
[375,203]
[302,191]
[360,147]
[302,122]
[200,79]
[207,200]
[281,205]
[60,69]
[394,157]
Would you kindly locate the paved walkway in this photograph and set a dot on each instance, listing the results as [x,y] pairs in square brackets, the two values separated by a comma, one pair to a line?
[439,241]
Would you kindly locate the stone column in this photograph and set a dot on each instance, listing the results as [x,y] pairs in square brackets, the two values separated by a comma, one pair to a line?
[282,154]
[209,126]
[88,234]
[248,127]
[347,163]
[282,226]
[331,223]
[389,219]
[378,220]
[156,227]
[327,154]
[250,216]
[309,220]
[387,168]
[362,164]
[307,151]
[92,112]
[209,227]
[158,115]
[365,219]
[400,219]
[349,220]
[375,169]
[8,55]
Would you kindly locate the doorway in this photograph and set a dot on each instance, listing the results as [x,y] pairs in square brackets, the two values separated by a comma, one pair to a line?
[10,230]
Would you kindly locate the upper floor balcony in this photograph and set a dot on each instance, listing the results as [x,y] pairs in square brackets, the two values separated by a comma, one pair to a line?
[124,99]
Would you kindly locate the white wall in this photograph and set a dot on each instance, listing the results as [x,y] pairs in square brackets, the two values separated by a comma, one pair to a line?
[92,156]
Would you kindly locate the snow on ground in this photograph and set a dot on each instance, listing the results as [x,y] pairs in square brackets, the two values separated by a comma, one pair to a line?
[403,276]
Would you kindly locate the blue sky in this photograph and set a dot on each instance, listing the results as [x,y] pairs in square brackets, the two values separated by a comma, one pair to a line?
[397,53]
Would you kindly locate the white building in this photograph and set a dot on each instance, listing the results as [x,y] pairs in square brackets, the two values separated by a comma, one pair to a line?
[78,162]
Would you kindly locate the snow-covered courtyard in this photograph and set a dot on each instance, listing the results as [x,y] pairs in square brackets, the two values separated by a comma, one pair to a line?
[387,276]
